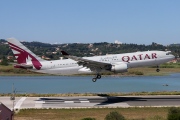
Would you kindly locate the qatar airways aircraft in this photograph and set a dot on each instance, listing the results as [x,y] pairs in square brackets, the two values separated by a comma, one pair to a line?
[116,63]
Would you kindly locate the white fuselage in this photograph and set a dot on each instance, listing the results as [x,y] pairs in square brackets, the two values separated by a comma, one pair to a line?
[136,59]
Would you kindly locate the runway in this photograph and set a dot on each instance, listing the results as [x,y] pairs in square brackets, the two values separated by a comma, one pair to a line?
[92,102]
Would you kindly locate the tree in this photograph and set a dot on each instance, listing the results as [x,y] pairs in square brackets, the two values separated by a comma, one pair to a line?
[4,61]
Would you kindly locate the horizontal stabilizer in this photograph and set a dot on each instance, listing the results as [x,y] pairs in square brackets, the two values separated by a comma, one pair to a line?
[25,66]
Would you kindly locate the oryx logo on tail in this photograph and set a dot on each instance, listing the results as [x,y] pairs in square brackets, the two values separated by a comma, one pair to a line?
[23,55]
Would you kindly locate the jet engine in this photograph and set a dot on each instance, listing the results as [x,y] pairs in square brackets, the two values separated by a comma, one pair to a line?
[119,67]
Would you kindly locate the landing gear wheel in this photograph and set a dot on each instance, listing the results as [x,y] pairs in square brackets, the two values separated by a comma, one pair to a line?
[98,76]
[94,79]
[157,70]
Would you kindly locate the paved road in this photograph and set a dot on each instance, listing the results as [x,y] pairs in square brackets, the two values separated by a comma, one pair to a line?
[91,101]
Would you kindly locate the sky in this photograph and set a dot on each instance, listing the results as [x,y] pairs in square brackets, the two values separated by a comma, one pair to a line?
[91,21]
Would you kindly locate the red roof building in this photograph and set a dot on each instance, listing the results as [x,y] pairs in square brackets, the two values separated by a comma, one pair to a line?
[5,113]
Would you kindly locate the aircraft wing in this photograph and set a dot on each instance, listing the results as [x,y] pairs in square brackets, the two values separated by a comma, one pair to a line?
[88,63]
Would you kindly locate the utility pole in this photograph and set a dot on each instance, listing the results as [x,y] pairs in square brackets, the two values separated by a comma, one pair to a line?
[13,99]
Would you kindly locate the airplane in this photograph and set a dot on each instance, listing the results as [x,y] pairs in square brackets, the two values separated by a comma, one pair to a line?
[116,63]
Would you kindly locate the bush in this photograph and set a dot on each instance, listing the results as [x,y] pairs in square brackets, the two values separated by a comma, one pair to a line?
[88,118]
[174,114]
[114,116]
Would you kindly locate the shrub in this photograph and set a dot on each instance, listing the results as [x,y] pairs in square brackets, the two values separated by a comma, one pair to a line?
[174,114]
[114,116]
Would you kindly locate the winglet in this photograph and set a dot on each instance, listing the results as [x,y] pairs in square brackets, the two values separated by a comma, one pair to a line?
[64,53]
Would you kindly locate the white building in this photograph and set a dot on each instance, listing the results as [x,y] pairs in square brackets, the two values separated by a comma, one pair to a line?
[117,42]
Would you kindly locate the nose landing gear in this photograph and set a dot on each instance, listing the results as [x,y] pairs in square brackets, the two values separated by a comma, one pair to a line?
[158,70]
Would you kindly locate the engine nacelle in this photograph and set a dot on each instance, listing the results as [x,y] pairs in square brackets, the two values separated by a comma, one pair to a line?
[119,67]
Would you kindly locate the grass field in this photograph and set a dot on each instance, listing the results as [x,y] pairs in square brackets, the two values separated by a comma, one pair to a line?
[152,71]
[94,94]
[149,113]
[147,71]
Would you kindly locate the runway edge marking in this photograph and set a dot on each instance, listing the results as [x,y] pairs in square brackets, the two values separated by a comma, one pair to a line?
[84,102]
[68,101]
[19,103]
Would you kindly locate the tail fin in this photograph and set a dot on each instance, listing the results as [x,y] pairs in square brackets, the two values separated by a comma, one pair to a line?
[23,54]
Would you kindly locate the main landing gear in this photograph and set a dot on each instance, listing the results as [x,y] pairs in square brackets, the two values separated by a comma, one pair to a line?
[98,76]
[158,70]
